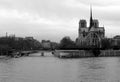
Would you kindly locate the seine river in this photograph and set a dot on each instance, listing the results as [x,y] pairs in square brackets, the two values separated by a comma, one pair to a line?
[51,69]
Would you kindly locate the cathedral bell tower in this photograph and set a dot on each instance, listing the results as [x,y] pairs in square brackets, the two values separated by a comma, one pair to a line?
[82,24]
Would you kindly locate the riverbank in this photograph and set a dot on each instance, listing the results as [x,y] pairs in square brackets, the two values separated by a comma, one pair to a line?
[23,53]
[17,54]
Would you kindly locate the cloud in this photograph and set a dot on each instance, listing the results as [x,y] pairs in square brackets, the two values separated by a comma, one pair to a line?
[99,2]
[56,18]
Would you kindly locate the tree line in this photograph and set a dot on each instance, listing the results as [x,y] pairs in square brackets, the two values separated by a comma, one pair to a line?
[106,43]
[18,43]
[66,43]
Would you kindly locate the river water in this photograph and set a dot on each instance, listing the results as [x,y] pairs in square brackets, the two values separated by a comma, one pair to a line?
[51,69]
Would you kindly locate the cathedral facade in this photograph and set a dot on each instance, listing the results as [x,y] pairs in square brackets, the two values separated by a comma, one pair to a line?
[91,36]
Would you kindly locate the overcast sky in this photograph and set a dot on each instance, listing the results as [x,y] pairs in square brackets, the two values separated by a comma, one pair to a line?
[54,19]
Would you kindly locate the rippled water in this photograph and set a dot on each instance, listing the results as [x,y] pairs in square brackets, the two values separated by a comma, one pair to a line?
[52,69]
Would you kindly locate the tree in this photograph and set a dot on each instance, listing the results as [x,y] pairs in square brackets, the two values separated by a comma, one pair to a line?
[106,43]
[67,43]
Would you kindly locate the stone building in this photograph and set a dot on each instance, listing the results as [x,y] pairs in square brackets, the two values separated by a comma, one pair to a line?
[116,41]
[91,36]
[46,44]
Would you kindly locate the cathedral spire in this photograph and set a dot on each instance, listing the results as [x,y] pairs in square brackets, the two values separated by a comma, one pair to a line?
[91,18]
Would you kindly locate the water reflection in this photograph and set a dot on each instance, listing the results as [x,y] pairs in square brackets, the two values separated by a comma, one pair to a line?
[52,69]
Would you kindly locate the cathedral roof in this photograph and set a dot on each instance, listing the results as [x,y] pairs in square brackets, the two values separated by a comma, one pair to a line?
[101,29]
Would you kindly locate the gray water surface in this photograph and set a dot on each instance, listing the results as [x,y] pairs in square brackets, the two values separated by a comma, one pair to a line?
[51,69]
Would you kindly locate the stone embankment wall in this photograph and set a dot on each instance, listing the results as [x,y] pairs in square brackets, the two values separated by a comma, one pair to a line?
[109,53]
[85,53]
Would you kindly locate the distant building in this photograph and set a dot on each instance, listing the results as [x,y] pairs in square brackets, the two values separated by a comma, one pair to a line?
[18,38]
[11,36]
[29,38]
[117,37]
[90,37]
[46,44]
[116,40]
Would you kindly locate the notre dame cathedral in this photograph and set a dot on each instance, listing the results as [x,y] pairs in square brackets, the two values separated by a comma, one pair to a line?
[90,37]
